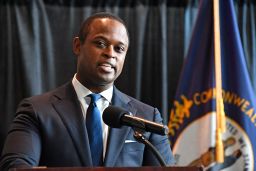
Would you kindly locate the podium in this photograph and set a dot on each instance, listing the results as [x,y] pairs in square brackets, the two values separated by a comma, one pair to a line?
[112,169]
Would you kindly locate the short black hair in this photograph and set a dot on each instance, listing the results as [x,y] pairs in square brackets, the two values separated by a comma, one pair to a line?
[84,29]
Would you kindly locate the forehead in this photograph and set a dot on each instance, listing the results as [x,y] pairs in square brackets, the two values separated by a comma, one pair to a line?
[109,28]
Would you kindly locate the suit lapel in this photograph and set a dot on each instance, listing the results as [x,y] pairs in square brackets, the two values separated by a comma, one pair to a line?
[117,137]
[69,109]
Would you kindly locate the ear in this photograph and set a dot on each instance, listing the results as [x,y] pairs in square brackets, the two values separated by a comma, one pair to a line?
[76,46]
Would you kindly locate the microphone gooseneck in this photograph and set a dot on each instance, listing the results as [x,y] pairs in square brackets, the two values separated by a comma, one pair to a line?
[140,138]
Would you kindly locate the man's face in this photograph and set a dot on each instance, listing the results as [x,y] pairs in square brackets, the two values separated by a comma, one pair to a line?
[101,57]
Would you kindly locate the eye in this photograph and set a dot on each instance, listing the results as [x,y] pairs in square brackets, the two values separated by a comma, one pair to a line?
[120,49]
[100,43]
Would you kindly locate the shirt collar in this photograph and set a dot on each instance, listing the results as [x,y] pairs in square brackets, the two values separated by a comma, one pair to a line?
[82,91]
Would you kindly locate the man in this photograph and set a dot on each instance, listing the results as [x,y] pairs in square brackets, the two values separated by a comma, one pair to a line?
[53,130]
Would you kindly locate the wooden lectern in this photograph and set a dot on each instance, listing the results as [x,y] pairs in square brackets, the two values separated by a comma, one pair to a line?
[112,169]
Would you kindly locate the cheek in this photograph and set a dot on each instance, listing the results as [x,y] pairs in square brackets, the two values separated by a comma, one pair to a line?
[121,63]
[88,57]
[89,52]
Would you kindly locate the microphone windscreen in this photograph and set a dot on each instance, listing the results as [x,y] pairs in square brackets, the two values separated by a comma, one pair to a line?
[112,116]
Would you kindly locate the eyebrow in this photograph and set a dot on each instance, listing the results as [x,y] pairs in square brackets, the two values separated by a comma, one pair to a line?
[104,38]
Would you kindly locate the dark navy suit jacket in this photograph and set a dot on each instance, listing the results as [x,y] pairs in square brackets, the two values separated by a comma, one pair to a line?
[49,130]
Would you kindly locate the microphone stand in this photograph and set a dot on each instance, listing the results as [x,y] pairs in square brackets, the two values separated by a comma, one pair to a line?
[140,138]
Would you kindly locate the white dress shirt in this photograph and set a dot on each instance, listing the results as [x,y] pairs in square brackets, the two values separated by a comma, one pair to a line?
[106,96]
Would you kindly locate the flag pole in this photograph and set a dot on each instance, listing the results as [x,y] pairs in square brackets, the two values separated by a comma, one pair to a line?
[220,115]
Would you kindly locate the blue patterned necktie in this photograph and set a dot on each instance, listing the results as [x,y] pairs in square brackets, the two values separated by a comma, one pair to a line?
[94,130]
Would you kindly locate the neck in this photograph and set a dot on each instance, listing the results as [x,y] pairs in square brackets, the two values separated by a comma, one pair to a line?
[95,88]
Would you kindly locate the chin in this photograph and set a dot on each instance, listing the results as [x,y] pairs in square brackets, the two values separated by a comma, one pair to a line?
[105,81]
[107,78]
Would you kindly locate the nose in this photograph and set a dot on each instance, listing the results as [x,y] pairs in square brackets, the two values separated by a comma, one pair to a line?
[109,52]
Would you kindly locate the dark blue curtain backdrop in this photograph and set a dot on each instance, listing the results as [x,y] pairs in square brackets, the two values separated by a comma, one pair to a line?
[36,46]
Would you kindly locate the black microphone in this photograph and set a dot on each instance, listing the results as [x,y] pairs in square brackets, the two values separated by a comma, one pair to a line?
[116,117]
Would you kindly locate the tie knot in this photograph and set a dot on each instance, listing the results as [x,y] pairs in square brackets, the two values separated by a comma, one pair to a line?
[94,97]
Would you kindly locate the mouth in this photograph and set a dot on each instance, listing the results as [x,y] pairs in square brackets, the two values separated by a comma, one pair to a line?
[106,67]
